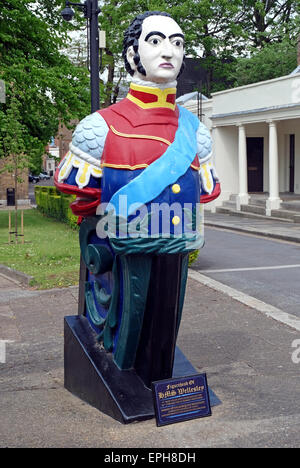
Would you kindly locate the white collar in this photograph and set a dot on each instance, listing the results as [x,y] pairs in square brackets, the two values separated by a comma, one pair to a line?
[151,84]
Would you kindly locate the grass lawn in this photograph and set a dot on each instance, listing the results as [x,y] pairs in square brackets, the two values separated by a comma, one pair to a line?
[50,253]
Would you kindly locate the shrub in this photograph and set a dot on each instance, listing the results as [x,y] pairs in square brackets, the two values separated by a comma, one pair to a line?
[193,256]
[55,204]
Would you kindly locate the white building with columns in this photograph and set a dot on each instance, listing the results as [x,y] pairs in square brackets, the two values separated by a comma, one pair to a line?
[256,139]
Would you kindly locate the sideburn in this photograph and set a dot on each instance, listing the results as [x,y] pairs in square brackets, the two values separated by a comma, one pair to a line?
[137,61]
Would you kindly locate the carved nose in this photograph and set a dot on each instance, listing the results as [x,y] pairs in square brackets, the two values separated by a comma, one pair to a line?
[167,50]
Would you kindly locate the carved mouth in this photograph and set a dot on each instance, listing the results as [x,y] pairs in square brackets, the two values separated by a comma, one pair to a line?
[166,65]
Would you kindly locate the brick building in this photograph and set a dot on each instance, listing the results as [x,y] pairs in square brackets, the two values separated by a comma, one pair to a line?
[7,187]
[57,148]
[64,138]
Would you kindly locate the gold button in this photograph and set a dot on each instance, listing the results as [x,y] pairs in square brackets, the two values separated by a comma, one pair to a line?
[176,188]
[176,220]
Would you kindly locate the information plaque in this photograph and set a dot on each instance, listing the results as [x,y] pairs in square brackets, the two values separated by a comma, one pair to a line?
[181,399]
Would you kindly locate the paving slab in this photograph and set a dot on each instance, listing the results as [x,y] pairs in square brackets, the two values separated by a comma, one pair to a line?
[246,355]
[268,228]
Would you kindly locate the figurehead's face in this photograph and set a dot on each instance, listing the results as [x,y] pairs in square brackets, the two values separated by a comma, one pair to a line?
[161,50]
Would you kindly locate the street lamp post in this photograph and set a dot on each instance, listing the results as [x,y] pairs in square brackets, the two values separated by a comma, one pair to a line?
[91,11]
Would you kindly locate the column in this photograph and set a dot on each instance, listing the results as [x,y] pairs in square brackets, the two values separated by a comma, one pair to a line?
[242,197]
[273,202]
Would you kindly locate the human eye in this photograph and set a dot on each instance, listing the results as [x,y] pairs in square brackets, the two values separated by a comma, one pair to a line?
[178,42]
[154,40]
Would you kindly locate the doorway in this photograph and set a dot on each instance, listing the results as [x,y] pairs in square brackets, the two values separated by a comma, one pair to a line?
[292,164]
[255,163]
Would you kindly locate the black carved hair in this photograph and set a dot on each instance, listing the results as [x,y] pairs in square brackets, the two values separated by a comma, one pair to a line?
[131,38]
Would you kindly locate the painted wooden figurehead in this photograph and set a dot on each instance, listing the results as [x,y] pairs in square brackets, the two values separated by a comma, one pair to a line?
[154,48]
[148,161]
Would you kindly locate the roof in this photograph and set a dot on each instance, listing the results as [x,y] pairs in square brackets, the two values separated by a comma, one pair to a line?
[297,70]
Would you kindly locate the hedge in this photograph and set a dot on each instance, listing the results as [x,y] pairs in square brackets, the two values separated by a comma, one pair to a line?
[55,204]
[193,256]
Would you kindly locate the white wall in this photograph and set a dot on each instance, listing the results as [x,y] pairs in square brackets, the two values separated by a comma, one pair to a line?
[192,106]
[282,166]
[287,128]
[284,91]
[225,150]
[272,93]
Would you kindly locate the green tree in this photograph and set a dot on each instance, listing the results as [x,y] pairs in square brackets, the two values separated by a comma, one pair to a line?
[229,30]
[218,32]
[272,61]
[13,148]
[266,21]
[48,87]
[114,19]
[212,30]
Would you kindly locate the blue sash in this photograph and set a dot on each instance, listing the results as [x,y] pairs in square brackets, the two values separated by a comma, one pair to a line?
[161,173]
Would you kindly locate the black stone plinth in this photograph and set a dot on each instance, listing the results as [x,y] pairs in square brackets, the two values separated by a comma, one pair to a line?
[91,375]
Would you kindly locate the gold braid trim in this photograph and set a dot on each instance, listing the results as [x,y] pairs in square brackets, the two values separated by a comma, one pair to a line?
[144,137]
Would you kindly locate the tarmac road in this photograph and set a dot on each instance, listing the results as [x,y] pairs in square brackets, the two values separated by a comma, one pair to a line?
[266,269]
